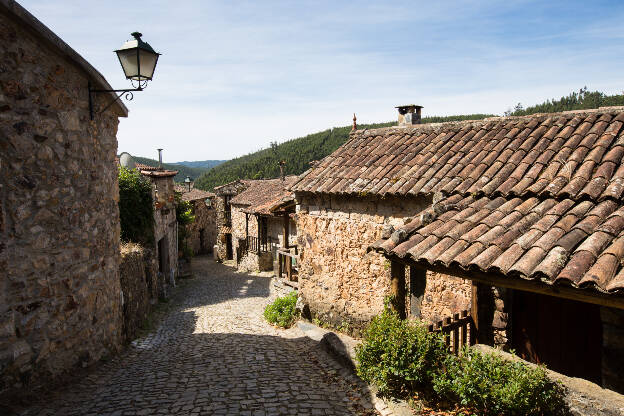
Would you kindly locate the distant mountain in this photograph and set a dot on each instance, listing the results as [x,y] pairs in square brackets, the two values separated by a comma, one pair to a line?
[297,153]
[207,164]
[183,170]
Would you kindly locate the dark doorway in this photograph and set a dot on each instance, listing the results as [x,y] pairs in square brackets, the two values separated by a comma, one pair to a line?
[229,254]
[202,241]
[565,335]
[163,257]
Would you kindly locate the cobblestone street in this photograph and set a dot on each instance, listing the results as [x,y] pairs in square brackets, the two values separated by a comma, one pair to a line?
[214,354]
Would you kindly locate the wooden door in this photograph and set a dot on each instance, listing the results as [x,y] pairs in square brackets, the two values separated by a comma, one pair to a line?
[228,247]
[565,335]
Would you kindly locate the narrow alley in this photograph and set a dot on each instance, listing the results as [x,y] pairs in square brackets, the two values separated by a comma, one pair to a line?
[213,353]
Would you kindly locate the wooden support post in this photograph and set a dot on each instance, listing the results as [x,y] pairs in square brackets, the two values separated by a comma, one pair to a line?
[246,226]
[286,231]
[474,311]
[397,287]
[417,284]
[259,226]
[279,261]
[464,330]
[456,334]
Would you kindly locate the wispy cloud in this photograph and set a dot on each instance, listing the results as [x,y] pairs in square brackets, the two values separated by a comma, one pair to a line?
[236,75]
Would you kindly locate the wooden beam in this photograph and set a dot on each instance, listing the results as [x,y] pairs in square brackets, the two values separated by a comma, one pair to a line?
[397,287]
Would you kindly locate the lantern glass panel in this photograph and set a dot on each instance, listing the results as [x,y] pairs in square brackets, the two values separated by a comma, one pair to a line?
[128,60]
[148,64]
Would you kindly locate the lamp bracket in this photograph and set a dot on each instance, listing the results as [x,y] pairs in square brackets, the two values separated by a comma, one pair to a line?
[125,93]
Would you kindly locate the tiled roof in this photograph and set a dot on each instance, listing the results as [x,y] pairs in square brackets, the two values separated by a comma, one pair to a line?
[579,244]
[194,194]
[264,194]
[158,173]
[537,198]
[572,155]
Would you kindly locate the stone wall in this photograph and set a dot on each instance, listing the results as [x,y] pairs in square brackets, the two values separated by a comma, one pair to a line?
[166,229]
[138,280]
[60,296]
[205,225]
[338,279]
[444,296]
[223,227]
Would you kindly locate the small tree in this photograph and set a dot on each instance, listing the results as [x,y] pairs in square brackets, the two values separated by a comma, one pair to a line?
[136,212]
[184,216]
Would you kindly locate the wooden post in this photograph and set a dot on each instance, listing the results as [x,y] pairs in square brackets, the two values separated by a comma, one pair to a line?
[246,226]
[456,334]
[418,282]
[285,230]
[397,287]
[464,330]
[259,226]
[279,268]
[474,311]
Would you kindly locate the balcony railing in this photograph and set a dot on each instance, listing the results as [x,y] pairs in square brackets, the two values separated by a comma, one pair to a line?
[254,245]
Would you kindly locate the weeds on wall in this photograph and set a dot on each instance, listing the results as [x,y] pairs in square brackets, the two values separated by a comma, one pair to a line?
[403,359]
[136,212]
[283,311]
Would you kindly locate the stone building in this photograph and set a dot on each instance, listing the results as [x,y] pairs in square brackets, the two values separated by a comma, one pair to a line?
[202,233]
[223,209]
[339,279]
[257,231]
[165,224]
[60,297]
[527,209]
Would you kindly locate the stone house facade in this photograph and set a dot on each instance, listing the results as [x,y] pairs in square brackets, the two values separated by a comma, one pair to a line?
[224,248]
[165,225]
[257,233]
[527,209]
[202,233]
[60,296]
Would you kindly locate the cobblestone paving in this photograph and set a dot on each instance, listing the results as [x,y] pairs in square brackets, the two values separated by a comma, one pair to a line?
[213,354]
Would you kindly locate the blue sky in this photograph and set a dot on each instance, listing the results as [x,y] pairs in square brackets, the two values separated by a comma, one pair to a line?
[236,75]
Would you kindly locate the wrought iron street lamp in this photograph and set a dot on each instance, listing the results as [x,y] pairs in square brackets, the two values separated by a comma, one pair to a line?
[138,61]
[187,181]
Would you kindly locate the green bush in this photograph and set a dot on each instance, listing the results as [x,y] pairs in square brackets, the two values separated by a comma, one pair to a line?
[282,312]
[495,386]
[136,211]
[398,356]
[403,358]
[184,216]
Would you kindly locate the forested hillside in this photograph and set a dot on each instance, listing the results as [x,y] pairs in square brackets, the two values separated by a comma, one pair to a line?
[580,100]
[183,171]
[206,164]
[297,153]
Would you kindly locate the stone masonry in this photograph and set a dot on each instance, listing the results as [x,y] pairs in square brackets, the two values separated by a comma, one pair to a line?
[203,231]
[60,297]
[339,280]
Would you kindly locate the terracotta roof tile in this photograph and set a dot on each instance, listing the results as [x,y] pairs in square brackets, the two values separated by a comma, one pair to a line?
[554,155]
[578,243]
[261,196]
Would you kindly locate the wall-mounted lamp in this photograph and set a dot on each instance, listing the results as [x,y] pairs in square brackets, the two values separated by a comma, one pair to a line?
[138,61]
[187,181]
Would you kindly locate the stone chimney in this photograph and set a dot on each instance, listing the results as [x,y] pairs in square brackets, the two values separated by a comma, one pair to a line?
[159,158]
[409,114]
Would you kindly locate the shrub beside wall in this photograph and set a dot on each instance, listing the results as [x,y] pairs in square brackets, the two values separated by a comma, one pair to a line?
[402,359]
[136,210]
